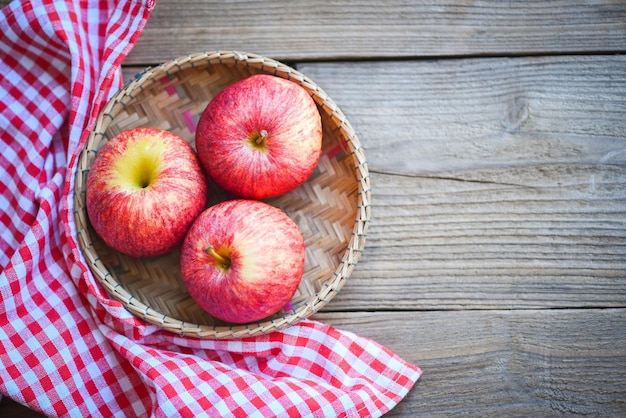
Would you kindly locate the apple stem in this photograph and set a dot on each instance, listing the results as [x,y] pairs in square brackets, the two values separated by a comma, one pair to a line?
[223,261]
[261,137]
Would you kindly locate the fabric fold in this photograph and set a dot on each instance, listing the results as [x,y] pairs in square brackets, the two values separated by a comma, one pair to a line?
[67,348]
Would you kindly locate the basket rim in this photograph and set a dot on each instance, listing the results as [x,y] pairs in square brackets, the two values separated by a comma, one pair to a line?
[349,259]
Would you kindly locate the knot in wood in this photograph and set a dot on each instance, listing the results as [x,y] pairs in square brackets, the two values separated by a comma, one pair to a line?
[517,113]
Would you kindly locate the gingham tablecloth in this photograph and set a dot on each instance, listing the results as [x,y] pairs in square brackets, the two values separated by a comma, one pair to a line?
[66,347]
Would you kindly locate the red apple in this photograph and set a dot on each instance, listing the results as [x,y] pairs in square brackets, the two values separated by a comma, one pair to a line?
[144,190]
[260,137]
[242,260]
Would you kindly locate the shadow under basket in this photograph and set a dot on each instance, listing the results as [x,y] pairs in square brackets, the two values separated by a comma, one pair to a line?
[332,209]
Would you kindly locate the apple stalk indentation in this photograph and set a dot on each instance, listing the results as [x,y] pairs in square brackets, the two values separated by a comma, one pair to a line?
[258,139]
[222,261]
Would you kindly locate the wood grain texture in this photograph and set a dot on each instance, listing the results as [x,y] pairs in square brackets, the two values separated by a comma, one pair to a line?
[440,116]
[298,30]
[505,363]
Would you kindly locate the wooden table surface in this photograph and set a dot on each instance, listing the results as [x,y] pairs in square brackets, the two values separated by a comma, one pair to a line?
[495,135]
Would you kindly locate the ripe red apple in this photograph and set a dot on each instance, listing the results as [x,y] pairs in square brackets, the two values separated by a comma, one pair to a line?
[144,190]
[260,137]
[242,260]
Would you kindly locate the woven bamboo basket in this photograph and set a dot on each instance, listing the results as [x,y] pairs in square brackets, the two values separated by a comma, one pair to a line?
[332,208]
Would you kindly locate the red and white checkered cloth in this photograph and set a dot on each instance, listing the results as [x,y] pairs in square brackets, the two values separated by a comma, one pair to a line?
[66,347]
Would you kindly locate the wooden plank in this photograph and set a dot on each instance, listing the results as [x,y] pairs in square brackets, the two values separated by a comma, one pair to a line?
[448,244]
[296,30]
[497,183]
[504,363]
[437,116]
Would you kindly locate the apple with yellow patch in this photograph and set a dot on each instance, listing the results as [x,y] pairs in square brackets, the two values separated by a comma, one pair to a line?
[242,260]
[260,137]
[144,190]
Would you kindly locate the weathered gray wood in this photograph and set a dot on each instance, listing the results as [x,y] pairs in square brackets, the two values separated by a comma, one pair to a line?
[300,29]
[505,363]
[438,116]
[448,244]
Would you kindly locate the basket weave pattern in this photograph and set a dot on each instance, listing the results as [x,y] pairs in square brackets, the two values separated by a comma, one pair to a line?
[332,208]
